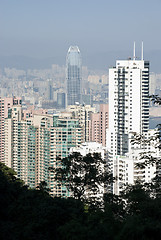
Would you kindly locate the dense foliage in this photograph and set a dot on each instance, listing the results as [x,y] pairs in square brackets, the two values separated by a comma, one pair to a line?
[84,176]
[27,214]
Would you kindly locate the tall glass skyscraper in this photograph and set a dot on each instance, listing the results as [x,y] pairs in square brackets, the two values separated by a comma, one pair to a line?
[73,75]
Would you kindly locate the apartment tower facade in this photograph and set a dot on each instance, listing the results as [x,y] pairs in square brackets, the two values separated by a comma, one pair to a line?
[99,125]
[128,103]
[5,104]
[128,107]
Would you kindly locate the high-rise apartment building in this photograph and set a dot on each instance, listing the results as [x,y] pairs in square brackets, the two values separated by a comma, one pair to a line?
[83,113]
[128,105]
[33,144]
[99,125]
[73,76]
[27,146]
[126,168]
[5,105]
[65,134]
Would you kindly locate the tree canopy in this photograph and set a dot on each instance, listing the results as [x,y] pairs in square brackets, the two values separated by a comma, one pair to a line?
[86,177]
[30,214]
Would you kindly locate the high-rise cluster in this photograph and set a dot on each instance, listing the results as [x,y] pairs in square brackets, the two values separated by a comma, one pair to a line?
[32,145]
[32,142]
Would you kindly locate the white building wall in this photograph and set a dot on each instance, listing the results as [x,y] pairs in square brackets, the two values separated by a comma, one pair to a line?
[126,98]
[135,101]
[8,142]
[126,170]
[128,112]
[89,147]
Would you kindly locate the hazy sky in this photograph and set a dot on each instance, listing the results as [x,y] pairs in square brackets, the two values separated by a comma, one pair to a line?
[46,28]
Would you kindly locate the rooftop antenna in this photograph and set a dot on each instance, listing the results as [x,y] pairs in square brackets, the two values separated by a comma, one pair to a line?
[142,51]
[134,57]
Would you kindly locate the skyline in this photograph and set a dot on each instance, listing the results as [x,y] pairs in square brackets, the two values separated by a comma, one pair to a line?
[101,29]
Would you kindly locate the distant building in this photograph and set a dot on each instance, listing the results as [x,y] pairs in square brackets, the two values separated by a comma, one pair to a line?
[99,125]
[33,144]
[87,99]
[61,100]
[31,111]
[49,90]
[90,147]
[82,112]
[65,134]
[74,76]
[27,146]
[5,105]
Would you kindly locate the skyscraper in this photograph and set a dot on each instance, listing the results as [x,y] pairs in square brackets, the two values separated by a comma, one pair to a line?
[128,108]
[128,102]
[73,75]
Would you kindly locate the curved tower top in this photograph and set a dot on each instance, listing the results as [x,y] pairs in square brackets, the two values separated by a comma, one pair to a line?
[73,75]
[74,56]
[73,49]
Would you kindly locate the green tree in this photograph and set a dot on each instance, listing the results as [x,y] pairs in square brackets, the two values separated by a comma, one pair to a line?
[31,214]
[84,176]
[142,219]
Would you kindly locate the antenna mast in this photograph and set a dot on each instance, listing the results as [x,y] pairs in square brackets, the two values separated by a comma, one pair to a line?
[134,57]
[142,51]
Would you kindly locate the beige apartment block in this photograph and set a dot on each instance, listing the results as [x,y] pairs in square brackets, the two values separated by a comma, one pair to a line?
[5,105]
[82,113]
[27,146]
[99,125]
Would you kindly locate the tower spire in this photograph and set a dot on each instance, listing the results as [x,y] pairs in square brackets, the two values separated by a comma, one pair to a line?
[142,51]
[134,57]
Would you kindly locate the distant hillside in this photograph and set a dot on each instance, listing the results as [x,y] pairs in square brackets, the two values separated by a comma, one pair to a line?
[24,62]
[94,61]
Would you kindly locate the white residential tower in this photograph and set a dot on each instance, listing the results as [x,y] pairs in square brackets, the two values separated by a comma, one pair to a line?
[128,105]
